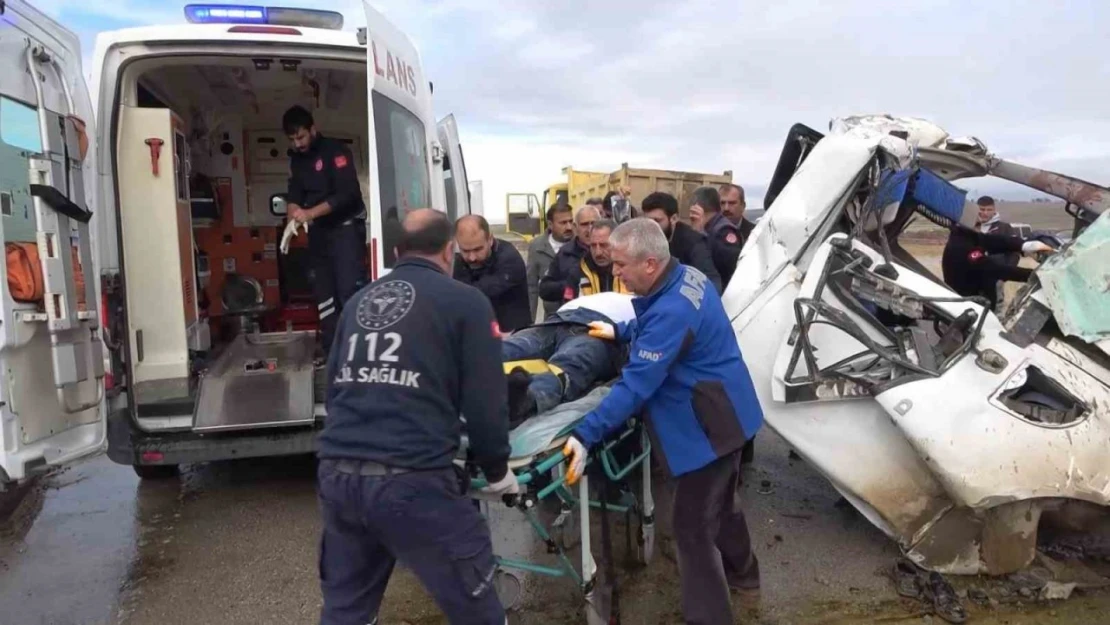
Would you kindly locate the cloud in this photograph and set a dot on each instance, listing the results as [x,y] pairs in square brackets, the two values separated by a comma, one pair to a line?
[715,85]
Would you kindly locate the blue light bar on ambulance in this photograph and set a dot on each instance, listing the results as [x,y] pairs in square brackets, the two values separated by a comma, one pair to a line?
[274,16]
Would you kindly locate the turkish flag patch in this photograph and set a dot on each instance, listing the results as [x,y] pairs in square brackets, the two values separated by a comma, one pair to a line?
[568,293]
[319,165]
[495,329]
[340,161]
[731,238]
[975,256]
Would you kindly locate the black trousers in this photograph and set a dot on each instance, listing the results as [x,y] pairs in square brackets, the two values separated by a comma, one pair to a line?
[712,541]
[421,519]
[338,271]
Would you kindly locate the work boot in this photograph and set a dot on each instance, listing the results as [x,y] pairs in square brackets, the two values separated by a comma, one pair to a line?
[521,403]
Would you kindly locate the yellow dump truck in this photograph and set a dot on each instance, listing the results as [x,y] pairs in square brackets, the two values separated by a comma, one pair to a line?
[524,212]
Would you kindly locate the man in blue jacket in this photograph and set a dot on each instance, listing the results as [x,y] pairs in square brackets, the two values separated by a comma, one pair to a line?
[686,374]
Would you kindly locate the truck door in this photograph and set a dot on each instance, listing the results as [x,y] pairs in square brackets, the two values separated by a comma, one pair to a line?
[524,214]
[454,169]
[51,355]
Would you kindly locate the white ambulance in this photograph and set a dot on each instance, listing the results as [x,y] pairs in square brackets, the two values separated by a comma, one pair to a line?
[174,331]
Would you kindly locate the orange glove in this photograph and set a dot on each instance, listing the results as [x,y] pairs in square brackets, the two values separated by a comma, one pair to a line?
[576,452]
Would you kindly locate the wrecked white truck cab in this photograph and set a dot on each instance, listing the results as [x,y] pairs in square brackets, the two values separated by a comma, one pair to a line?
[948,427]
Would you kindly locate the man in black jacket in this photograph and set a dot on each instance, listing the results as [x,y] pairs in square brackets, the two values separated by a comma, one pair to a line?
[687,245]
[968,267]
[733,205]
[723,235]
[990,222]
[416,351]
[563,272]
[324,191]
[495,268]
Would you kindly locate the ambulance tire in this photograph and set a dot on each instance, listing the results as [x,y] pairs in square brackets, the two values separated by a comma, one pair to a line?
[155,471]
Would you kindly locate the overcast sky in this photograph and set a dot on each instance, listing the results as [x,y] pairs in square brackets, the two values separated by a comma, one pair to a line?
[714,85]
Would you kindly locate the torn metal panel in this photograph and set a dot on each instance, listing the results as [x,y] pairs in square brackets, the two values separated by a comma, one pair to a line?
[828,173]
[1076,284]
[1079,192]
[893,487]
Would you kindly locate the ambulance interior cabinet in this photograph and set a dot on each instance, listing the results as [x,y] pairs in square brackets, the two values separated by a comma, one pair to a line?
[158,261]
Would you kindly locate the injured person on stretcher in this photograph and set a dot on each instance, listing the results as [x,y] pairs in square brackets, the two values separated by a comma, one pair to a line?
[557,361]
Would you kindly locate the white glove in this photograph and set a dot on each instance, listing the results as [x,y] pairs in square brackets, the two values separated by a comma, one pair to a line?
[506,486]
[576,451]
[290,232]
[602,330]
[1033,247]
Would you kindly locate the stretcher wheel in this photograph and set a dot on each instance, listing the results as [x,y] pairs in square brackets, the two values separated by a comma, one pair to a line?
[508,588]
[565,529]
[646,549]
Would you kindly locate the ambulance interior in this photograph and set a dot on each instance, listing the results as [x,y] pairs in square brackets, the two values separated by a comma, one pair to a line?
[221,324]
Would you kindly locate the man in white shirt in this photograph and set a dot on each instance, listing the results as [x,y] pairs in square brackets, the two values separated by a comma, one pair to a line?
[572,360]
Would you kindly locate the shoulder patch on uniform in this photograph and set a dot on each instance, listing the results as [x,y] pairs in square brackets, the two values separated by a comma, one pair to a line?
[319,164]
[731,237]
[975,256]
[385,304]
[341,161]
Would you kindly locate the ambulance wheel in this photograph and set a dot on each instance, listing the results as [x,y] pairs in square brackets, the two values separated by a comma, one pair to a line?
[155,471]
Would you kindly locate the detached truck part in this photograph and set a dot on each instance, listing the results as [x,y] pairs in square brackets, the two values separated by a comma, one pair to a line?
[524,212]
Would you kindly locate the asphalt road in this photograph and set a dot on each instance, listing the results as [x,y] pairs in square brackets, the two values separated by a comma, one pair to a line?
[236,543]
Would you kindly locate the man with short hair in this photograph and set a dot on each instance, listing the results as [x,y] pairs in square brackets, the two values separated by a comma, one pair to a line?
[733,206]
[416,352]
[686,375]
[724,237]
[989,221]
[564,269]
[542,251]
[595,270]
[324,192]
[687,245]
[495,268]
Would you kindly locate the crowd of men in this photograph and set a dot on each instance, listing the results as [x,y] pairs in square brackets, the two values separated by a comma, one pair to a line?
[411,352]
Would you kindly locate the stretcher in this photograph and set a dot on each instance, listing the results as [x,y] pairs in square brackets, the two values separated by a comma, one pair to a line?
[539,464]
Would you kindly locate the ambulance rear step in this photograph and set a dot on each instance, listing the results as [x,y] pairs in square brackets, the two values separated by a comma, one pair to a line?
[57,190]
[259,381]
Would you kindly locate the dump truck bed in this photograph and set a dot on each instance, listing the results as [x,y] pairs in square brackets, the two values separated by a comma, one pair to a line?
[681,184]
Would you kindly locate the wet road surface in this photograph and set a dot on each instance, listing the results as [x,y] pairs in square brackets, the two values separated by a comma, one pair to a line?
[236,542]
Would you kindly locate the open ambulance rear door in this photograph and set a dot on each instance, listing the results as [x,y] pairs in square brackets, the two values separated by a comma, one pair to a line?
[454,169]
[51,355]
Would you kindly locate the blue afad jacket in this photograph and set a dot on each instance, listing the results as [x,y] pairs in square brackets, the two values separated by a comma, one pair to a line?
[685,370]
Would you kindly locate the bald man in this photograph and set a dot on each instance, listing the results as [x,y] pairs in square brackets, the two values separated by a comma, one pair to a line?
[414,351]
[496,269]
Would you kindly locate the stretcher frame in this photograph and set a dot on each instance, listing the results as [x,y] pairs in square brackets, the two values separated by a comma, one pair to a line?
[553,462]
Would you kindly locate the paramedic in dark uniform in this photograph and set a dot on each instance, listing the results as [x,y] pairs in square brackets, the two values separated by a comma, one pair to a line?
[324,193]
[724,236]
[971,262]
[414,351]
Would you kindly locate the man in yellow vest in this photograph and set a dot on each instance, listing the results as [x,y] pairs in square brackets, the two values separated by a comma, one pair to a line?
[595,270]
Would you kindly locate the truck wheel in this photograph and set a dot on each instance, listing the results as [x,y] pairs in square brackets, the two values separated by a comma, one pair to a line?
[155,471]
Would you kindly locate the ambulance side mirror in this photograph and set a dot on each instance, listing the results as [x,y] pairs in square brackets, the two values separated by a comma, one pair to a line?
[278,206]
